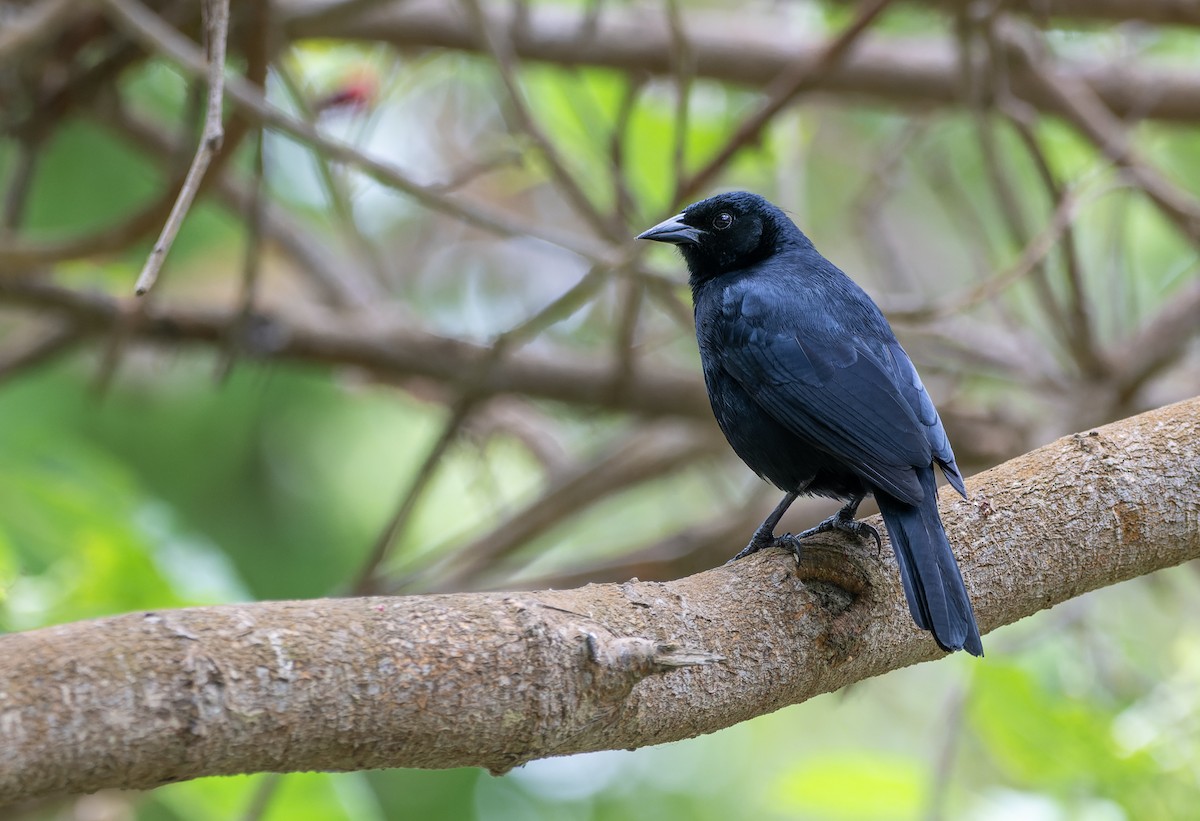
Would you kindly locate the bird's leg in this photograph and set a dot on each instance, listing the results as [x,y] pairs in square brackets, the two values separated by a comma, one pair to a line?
[765,535]
[844,521]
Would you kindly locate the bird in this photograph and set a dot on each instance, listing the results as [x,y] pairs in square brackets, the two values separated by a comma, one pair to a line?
[815,394]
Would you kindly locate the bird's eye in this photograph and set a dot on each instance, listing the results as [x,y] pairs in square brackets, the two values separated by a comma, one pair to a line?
[722,220]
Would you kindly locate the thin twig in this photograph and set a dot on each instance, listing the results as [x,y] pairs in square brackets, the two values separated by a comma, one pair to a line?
[1013,218]
[952,718]
[683,63]
[1031,255]
[1087,111]
[883,180]
[255,205]
[646,454]
[504,58]
[335,189]
[216,25]
[476,169]
[795,79]
[36,25]
[264,794]
[16,195]
[1081,337]
[364,583]
[255,216]
[625,205]
[337,280]
[149,29]
[624,341]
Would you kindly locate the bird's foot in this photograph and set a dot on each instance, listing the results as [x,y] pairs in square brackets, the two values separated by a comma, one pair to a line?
[787,541]
[844,523]
[761,541]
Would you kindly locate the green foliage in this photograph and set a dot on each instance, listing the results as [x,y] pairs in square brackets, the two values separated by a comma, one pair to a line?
[85,180]
[70,544]
[1019,721]
[853,786]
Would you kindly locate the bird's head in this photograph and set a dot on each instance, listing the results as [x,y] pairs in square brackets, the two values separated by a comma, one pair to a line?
[724,233]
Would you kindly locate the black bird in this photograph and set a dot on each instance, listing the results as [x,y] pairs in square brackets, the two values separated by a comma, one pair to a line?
[815,394]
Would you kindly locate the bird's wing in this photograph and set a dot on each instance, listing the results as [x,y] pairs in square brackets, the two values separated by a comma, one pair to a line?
[918,399]
[835,392]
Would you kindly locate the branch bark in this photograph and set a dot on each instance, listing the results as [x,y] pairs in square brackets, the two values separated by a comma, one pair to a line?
[495,680]
[395,352]
[390,352]
[914,73]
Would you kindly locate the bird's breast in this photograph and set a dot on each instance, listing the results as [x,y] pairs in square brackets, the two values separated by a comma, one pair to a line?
[770,449]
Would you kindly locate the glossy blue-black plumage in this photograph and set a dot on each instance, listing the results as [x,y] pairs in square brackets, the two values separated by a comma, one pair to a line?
[815,394]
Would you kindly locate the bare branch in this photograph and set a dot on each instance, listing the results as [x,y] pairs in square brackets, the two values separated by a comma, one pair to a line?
[16,194]
[216,23]
[40,23]
[388,352]
[921,73]
[795,78]
[645,454]
[163,39]
[460,412]
[1163,338]
[38,349]
[1031,255]
[497,679]
[500,50]
[1089,112]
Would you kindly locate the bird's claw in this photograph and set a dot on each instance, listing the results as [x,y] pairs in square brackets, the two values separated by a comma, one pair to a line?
[854,527]
[843,520]
[860,529]
[791,544]
[787,541]
[756,544]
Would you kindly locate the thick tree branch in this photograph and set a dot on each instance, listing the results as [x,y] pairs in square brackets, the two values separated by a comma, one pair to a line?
[498,679]
[401,353]
[921,73]
[389,352]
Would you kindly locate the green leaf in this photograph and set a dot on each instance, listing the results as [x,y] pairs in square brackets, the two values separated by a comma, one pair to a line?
[853,785]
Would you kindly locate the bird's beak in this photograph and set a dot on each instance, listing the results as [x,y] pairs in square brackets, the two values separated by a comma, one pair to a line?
[674,231]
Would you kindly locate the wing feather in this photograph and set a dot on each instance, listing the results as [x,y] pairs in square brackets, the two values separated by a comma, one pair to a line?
[863,404]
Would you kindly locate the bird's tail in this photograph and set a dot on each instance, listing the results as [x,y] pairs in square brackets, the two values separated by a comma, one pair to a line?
[933,584]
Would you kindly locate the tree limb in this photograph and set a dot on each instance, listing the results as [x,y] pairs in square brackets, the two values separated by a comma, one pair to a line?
[390,352]
[398,352]
[919,72]
[497,679]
